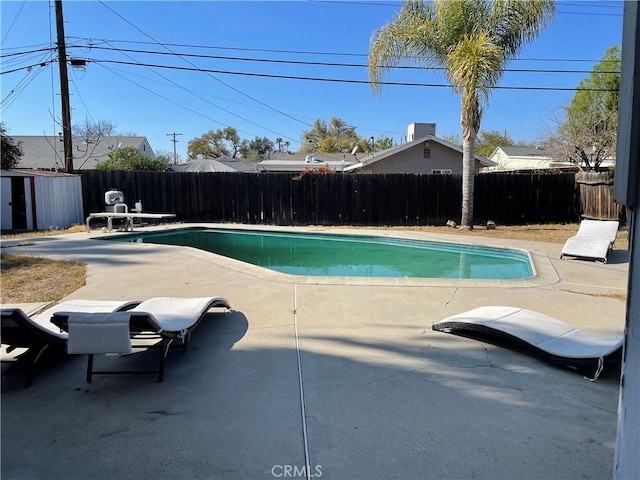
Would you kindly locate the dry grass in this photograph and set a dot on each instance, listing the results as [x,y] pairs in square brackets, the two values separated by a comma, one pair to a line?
[42,233]
[554,233]
[33,279]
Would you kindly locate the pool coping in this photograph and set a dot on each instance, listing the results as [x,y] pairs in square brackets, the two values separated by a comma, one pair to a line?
[544,271]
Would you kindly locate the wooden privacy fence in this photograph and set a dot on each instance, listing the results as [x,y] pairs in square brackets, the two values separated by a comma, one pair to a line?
[596,196]
[339,199]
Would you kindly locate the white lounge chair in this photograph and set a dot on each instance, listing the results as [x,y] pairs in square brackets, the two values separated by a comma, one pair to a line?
[164,318]
[536,334]
[593,241]
[38,334]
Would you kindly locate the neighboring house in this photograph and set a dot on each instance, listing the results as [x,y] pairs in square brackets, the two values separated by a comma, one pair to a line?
[297,162]
[46,152]
[424,153]
[526,158]
[220,164]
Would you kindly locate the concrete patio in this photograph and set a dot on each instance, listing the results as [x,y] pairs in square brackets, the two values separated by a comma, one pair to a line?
[383,396]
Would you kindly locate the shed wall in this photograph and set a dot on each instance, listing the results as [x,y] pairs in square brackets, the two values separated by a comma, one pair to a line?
[58,202]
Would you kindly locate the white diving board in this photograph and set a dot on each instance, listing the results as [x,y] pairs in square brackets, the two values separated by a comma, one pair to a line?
[128,218]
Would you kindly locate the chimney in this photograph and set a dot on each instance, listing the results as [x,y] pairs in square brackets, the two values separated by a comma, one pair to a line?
[420,130]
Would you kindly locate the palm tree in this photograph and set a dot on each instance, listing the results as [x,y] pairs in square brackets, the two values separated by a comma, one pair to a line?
[279,143]
[472,40]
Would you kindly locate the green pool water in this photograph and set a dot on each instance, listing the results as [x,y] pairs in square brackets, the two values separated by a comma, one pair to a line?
[347,255]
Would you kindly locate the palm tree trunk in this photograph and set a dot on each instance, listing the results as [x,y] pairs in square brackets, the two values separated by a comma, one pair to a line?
[470,123]
[468,176]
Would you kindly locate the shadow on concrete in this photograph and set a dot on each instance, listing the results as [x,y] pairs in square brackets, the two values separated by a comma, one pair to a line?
[436,409]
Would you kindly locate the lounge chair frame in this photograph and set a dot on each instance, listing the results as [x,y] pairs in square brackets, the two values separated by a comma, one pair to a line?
[18,331]
[593,241]
[22,331]
[145,326]
[475,324]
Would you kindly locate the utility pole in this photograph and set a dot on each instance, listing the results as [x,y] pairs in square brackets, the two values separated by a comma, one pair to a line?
[64,90]
[175,155]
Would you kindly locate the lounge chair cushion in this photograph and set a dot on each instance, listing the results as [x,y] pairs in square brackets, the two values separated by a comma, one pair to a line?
[552,339]
[586,247]
[43,320]
[98,332]
[593,240]
[605,229]
[176,314]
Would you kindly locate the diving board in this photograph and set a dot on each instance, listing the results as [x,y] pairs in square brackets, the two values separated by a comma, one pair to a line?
[128,218]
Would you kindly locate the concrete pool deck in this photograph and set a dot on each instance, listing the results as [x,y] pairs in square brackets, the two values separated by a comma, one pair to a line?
[384,395]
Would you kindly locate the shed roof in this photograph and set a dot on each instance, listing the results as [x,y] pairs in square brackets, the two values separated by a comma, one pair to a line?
[29,172]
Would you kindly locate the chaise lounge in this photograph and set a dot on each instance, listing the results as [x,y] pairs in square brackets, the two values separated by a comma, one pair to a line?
[162,320]
[39,335]
[538,335]
[593,241]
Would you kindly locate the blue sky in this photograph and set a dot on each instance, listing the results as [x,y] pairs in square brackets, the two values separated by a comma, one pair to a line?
[116,86]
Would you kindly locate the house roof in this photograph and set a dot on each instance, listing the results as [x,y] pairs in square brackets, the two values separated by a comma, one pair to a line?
[297,162]
[27,172]
[534,152]
[379,156]
[47,151]
[220,164]
[320,157]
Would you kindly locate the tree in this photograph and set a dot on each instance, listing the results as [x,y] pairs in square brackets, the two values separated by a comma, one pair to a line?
[10,149]
[129,158]
[383,143]
[472,40]
[488,141]
[93,133]
[587,127]
[257,149]
[168,157]
[454,139]
[94,130]
[336,136]
[221,143]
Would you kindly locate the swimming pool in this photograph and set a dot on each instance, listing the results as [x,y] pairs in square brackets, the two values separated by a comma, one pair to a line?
[320,254]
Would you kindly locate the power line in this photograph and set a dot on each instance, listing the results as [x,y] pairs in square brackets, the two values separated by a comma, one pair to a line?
[28,67]
[299,52]
[336,80]
[182,87]
[218,80]
[174,102]
[15,92]
[331,64]
[47,49]
[399,4]
[13,21]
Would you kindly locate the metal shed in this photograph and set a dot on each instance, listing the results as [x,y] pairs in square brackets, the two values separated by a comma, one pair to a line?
[40,200]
